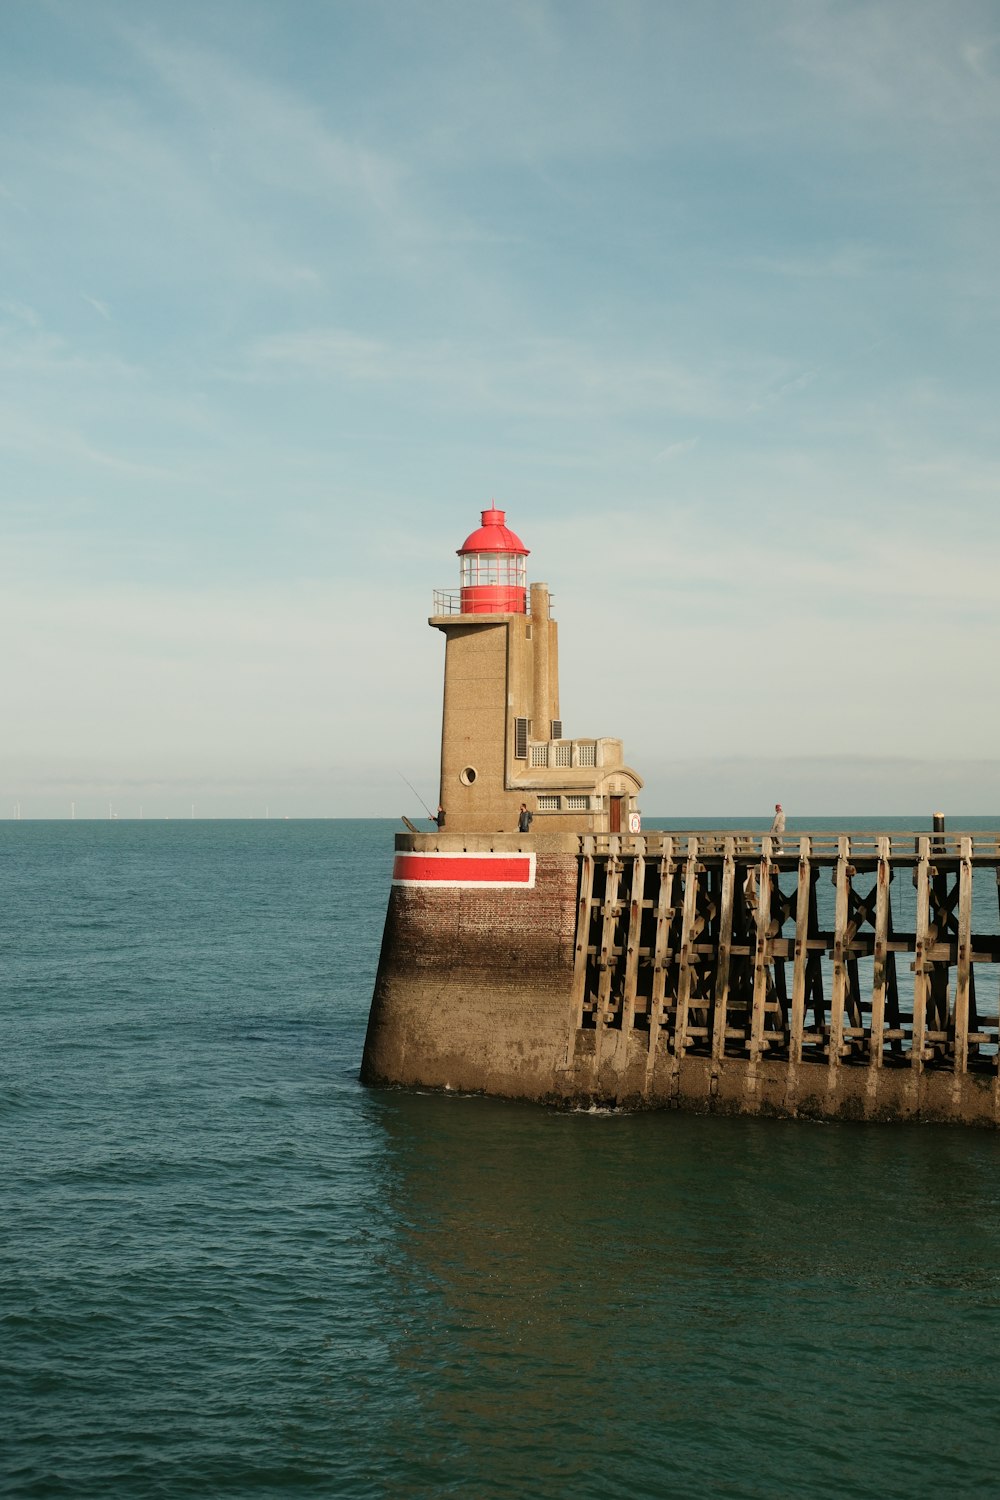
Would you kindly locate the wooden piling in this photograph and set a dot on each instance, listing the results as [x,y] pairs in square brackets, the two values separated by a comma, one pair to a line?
[632,942]
[964,957]
[801,959]
[761,971]
[664,917]
[921,966]
[724,945]
[876,1044]
[687,955]
[606,954]
[839,991]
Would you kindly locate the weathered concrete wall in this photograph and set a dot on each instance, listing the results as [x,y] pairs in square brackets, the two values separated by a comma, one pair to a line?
[474,722]
[621,1076]
[474,988]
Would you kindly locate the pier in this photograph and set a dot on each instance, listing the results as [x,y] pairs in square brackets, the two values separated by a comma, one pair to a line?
[849,976]
[584,961]
[721,949]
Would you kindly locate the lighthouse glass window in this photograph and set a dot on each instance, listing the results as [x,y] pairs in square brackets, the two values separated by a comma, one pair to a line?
[504,568]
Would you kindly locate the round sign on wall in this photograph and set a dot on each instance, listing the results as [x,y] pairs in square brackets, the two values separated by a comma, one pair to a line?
[634,823]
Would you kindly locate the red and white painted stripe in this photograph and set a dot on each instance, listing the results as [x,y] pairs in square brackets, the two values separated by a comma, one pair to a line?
[491,871]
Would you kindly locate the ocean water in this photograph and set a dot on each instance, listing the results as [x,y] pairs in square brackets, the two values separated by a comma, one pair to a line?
[227,1269]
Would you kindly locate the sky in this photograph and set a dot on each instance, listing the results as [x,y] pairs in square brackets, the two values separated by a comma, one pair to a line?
[704,296]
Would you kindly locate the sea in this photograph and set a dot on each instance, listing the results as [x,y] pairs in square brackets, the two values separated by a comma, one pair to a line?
[228,1269]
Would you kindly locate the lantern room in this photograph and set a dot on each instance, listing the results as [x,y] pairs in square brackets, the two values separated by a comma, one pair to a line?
[494,569]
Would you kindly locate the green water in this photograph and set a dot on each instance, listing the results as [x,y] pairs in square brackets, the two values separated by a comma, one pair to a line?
[227,1269]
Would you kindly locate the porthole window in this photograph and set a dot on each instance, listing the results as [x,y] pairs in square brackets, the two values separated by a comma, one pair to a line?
[468,776]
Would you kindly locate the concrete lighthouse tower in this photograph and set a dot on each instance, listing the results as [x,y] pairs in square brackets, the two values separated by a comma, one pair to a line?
[502,739]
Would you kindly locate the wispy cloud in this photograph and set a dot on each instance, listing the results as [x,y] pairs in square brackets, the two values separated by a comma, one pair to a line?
[736,559]
[982,55]
[905,61]
[532,374]
[20,313]
[674,450]
[98,306]
[835,263]
[777,391]
[32,350]
[265,133]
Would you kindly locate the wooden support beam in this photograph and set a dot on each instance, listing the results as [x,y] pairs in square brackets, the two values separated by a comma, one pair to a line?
[839,987]
[761,972]
[964,967]
[685,973]
[664,916]
[632,940]
[801,950]
[921,975]
[725,944]
[880,977]
[606,955]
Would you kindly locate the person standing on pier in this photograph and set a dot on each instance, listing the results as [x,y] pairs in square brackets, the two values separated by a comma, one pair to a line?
[777,827]
[524,819]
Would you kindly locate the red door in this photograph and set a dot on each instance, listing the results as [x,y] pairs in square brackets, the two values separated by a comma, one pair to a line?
[615,819]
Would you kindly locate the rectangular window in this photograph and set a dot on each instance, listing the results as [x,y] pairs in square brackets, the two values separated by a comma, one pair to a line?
[562,753]
[539,755]
[587,755]
[578,804]
[520,739]
[548,804]
[556,730]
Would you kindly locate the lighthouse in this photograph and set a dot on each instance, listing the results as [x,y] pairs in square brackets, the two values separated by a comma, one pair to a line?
[502,739]
[487,952]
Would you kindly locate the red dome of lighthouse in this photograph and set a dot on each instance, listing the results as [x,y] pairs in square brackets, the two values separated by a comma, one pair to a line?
[493,536]
[494,579]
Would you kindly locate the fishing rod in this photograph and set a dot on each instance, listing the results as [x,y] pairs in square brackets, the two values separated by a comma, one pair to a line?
[423,804]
